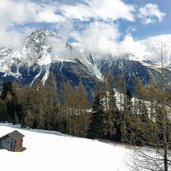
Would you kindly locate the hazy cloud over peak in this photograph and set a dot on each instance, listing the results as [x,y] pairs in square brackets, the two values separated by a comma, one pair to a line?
[99,38]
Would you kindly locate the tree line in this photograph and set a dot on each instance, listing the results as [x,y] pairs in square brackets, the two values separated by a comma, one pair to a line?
[120,117]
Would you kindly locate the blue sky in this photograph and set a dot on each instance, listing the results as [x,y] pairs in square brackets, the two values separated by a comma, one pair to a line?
[106,22]
[156,28]
[142,30]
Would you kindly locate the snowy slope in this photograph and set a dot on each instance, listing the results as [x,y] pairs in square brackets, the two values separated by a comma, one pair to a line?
[54,151]
[9,58]
[155,47]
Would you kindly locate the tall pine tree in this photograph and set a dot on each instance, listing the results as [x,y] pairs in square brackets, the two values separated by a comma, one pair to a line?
[97,119]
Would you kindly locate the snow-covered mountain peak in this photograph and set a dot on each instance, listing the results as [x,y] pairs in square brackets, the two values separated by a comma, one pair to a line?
[9,58]
[36,47]
[36,51]
[38,37]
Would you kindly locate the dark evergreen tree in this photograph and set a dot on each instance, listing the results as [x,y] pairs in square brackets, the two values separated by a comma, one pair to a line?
[7,89]
[97,119]
[128,102]
[3,115]
[10,103]
[111,111]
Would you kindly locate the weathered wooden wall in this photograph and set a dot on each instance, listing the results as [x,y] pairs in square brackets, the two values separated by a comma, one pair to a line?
[19,144]
[7,143]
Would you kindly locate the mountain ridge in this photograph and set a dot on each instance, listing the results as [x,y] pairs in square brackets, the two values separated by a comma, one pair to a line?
[41,55]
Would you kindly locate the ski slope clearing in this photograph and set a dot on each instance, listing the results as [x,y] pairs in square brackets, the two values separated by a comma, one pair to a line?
[50,150]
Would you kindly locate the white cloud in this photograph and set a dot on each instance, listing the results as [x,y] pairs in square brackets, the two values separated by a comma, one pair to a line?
[150,13]
[14,12]
[130,46]
[21,12]
[99,38]
[99,9]
[48,14]
[12,39]
[100,35]
[102,39]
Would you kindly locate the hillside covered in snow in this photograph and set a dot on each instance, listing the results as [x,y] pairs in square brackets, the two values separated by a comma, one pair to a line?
[50,150]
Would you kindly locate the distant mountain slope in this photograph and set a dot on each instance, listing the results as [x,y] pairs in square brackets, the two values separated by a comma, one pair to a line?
[43,53]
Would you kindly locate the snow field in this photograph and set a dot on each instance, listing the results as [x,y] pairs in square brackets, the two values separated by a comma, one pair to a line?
[55,151]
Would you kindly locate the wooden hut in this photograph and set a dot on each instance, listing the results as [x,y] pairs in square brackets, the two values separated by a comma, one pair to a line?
[12,141]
